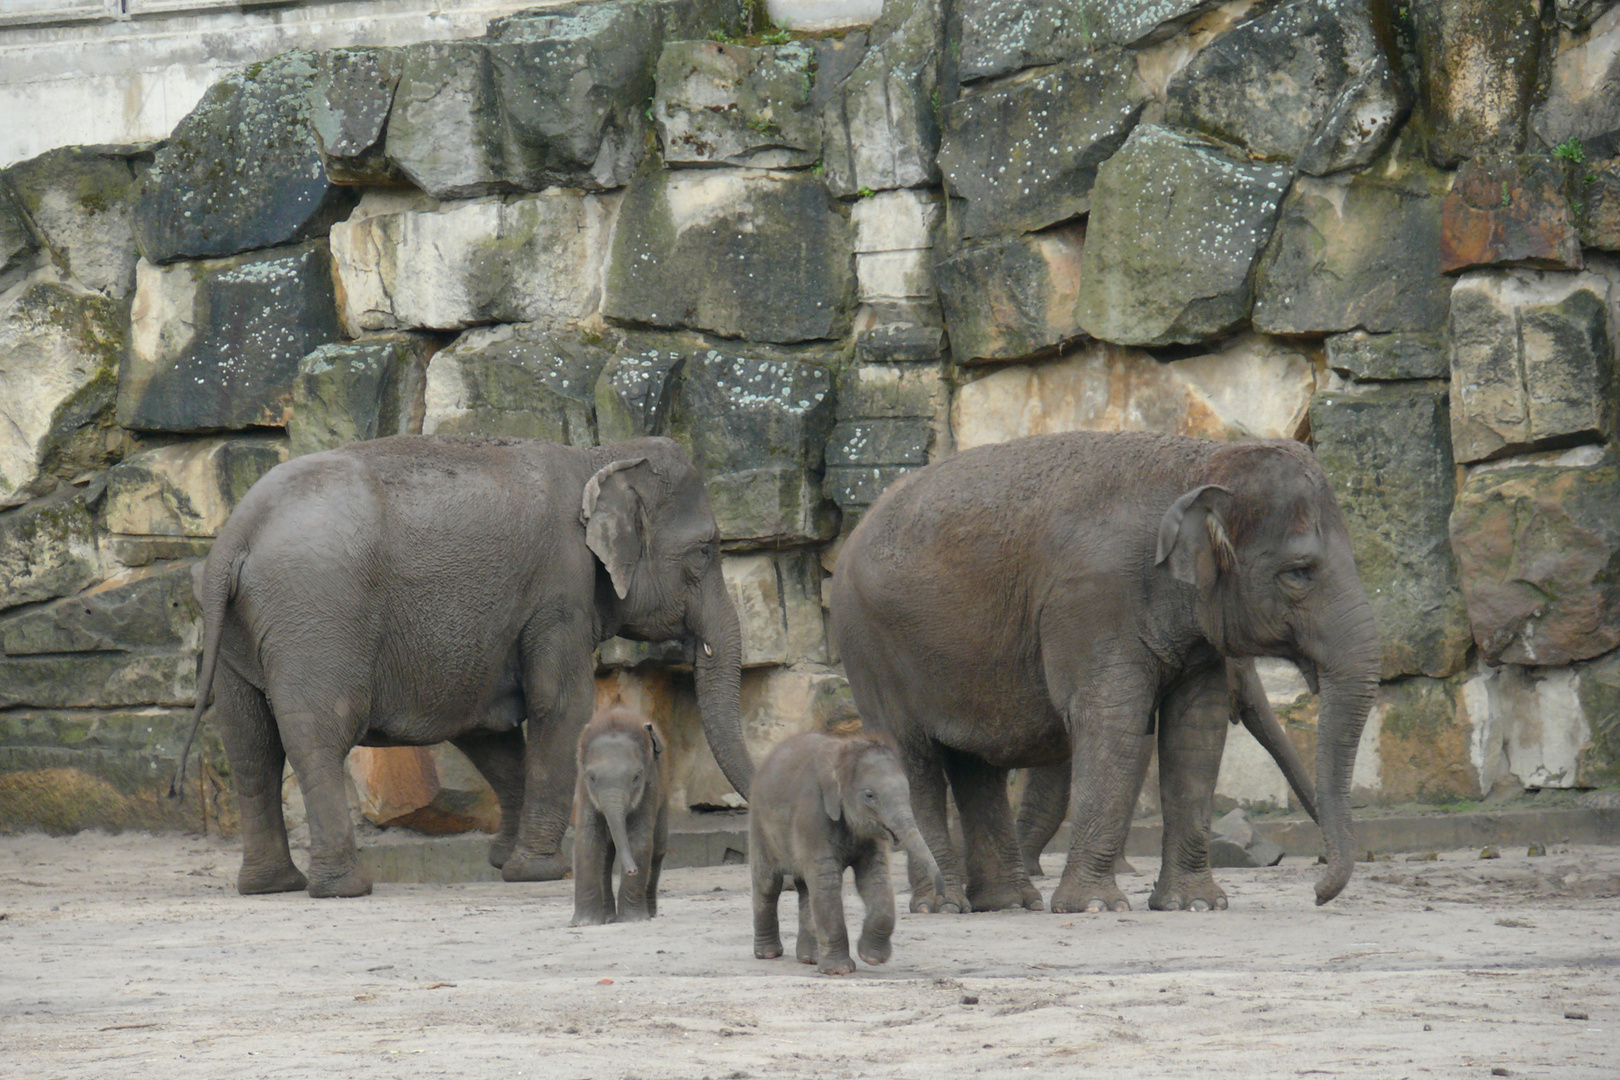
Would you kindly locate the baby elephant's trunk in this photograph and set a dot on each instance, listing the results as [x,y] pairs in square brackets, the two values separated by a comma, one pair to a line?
[911,838]
[614,812]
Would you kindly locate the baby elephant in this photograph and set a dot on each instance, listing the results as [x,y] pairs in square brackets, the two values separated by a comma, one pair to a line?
[620,800]
[820,804]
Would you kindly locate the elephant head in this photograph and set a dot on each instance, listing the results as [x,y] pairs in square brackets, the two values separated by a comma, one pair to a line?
[648,520]
[1263,544]
[617,762]
[864,785]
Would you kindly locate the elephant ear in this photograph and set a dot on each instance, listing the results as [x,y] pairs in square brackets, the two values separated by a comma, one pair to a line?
[657,743]
[1192,537]
[611,511]
[832,792]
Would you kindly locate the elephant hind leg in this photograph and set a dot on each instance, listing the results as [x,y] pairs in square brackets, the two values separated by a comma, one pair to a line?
[253,746]
[925,773]
[318,758]
[804,949]
[1192,735]
[996,880]
[498,756]
[1041,810]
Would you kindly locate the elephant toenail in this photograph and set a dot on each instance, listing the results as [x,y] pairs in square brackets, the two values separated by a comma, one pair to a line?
[1198,905]
[1172,905]
[1220,903]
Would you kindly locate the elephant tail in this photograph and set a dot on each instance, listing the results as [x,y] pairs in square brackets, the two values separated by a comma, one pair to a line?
[1254,709]
[214,590]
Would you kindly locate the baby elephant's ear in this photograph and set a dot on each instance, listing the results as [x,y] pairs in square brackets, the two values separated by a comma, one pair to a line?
[832,792]
[657,743]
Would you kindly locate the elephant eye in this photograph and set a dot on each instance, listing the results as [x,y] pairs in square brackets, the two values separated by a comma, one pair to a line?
[869,795]
[707,551]
[1298,577]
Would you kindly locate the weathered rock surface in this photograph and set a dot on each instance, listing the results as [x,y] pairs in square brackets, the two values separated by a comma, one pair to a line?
[1387,452]
[755,424]
[1598,217]
[187,488]
[1233,841]
[1388,357]
[1510,211]
[109,769]
[1477,63]
[1000,36]
[1175,226]
[705,249]
[350,102]
[1252,387]
[549,96]
[1331,98]
[98,680]
[365,389]
[1577,16]
[892,418]
[1532,362]
[636,389]
[47,549]
[525,381]
[1014,297]
[1583,97]
[241,171]
[1538,546]
[405,262]
[1023,154]
[147,608]
[18,245]
[778,601]
[1143,22]
[1597,762]
[82,204]
[1424,742]
[216,344]
[1362,252]
[722,104]
[59,353]
[881,130]
[1531,723]
[894,271]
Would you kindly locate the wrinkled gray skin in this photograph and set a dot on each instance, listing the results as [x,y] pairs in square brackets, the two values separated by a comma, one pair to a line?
[418,589]
[1046,790]
[1000,607]
[622,814]
[821,804]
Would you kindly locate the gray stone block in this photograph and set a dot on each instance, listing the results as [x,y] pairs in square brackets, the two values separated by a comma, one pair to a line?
[350,102]
[146,608]
[1477,66]
[526,381]
[47,549]
[81,202]
[723,104]
[1009,298]
[358,390]
[636,388]
[881,130]
[1388,357]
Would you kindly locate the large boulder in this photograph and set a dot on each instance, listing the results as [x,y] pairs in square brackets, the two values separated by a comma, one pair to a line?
[1538,545]
[527,381]
[402,261]
[778,600]
[881,129]
[1583,95]
[1251,387]
[1546,727]
[81,201]
[350,102]
[147,608]
[1425,742]
[1387,451]
[1357,252]
[1021,155]
[241,171]
[48,549]
[1477,64]
[1014,297]
[704,249]
[1532,362]
[1176,224]
[186,489]
[216,344]
[1513,210]
[724,104]
[755,423]
[1331,98]
[550,96]
[60,348]
[358,390]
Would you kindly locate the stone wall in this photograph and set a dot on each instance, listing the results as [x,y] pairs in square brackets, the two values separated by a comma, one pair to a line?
[820,261]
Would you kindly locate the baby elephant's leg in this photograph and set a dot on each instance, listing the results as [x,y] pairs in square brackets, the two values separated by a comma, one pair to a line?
[593,889]
[827,906]
[804,949]
[767,891]
[872,882]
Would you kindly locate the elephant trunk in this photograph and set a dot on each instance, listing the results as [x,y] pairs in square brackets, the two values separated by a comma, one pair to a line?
[1349,681]
[613,810]
[911,838]
[717,668]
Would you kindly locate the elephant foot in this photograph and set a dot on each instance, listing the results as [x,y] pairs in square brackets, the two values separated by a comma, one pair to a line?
[634,914]
[836,965]
[1190,893]
[590,918]
[1032,865]
[283,877]
[353,883]
[875,952]
[1021,897]
[925,901]
[804,954]
[500,850]
[767,948]
[1089,898]
[537,867]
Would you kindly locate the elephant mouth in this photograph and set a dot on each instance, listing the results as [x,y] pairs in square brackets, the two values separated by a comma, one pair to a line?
[892,835]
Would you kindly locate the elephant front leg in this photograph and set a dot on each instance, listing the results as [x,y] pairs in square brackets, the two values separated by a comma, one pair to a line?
[767,889]
[1192,735]
[877,895]
[253,747]
[926,776]
[634,905]
[498,756]
[996,880]
[1111,754]
[593,904]
[560,675]
[826,887]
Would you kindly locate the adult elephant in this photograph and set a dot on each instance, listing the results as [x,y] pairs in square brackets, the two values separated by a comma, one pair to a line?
[419,589]
[999,607]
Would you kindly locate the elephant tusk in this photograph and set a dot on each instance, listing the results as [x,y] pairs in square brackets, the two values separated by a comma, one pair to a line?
[707,650]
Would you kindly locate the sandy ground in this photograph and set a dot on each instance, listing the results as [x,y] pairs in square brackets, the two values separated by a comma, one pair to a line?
[132,956]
